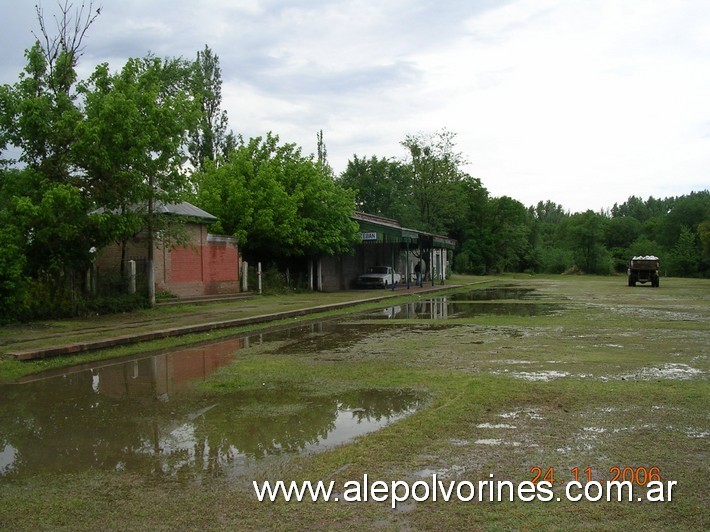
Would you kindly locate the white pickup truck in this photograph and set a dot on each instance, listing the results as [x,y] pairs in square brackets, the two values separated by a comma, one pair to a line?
[378,277]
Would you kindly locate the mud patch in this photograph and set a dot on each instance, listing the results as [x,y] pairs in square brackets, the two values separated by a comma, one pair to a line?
[535,376]
[669,371]
[533,414]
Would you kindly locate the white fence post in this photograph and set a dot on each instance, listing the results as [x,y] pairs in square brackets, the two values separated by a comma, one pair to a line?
[131,277]
[258,274]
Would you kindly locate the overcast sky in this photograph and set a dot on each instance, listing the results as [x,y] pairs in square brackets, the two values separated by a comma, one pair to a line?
[582,102]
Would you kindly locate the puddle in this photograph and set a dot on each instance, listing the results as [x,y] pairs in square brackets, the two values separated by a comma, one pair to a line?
[539,376]
[697,434]
[491,294]
[530,414]
[446,307]
[146,415]
[443,472]
[596,430]
[495,426]
[667,371]
[496,441]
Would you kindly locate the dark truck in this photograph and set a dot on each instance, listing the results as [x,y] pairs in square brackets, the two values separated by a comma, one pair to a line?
[644,270]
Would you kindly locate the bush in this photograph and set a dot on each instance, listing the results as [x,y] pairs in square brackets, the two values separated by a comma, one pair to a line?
[115,304]
[555,260]
[272,280]
[464,263]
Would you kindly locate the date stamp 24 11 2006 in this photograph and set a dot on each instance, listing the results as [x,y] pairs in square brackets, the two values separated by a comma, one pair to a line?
[622,481]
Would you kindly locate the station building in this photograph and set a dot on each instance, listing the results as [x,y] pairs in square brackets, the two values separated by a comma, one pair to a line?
[384,242]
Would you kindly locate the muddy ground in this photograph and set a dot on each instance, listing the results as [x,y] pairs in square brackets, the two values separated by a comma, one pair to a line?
[556,377]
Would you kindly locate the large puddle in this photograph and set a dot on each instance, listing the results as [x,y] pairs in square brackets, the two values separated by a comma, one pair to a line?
[449,307]
[146,415]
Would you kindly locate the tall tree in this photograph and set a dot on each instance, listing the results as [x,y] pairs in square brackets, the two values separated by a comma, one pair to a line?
[278,202]
[435,170]
[683,259]
[40,117]
[509,231]
[132,143]
[209,140]
[382,186]
[322,154]
[474,232]
[586,239]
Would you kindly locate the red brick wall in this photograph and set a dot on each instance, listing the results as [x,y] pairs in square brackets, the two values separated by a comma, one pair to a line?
[210,268]
[186,265]
[208,265]
[221,262]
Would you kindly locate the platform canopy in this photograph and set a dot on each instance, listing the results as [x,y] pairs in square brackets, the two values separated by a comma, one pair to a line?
[379,230]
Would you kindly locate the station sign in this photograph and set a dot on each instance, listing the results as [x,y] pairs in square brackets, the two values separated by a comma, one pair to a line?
[369,236]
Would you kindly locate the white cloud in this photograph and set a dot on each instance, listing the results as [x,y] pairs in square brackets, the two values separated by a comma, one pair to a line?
[583,103]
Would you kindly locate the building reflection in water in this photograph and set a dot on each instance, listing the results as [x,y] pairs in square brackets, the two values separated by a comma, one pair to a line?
[147,415]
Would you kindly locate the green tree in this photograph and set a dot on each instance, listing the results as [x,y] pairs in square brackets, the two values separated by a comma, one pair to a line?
[209,140]
[13,277]
[322,156]
[48,201]
[549,252]
[509,234]
[688,211]
[642,210]
[704,238]
[40,117]
[131,144]
[683,260]
[642,246]
[435,171]
[473,235]
[278,202]
[382,186]
[586,238]
[620,233]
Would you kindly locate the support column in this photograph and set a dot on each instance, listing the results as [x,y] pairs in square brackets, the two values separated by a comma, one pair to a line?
[131,277]
[310,274]
[320,275]
[245,276]
[258,275]
[406,267]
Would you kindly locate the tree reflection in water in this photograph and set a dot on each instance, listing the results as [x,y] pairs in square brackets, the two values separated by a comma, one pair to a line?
[144,415]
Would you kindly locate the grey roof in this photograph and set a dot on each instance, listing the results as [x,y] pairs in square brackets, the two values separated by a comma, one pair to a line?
[183,209]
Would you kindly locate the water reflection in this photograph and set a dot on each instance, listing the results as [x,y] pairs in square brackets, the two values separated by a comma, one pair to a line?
[145,415]
[496,292]
[438,308]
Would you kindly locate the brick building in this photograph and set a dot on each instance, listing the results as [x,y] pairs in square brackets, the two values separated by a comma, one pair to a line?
[207,264]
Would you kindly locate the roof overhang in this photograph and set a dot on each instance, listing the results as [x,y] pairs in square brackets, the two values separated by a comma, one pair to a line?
[379,230]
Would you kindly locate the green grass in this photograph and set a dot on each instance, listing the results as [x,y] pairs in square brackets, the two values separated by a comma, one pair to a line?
[627,386]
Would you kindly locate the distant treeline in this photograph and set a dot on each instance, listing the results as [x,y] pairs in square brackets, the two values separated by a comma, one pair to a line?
[427,191]
[83,162]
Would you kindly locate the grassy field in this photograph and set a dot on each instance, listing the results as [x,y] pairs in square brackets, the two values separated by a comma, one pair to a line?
[613,377]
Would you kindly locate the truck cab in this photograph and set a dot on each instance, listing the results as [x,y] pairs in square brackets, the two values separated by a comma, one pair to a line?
[379,277]
[644,269]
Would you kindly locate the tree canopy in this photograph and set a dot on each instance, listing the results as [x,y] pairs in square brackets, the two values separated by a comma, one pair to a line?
[277,201]
[427,189]
[94,155]
[87,150]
